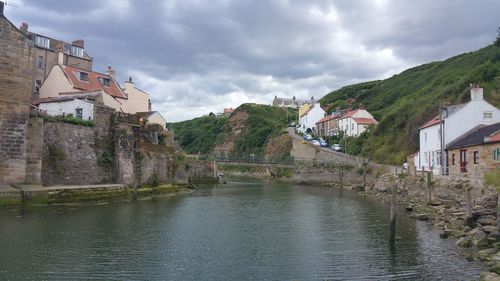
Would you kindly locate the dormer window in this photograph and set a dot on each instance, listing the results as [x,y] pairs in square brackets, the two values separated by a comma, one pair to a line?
[83,76]
[42,41]
[76,51]
[104,81]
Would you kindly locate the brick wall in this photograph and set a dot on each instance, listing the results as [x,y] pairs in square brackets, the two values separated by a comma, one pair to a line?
[16,85]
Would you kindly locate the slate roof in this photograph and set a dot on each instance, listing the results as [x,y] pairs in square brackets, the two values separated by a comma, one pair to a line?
[64,98]
[53,44]
[476,136]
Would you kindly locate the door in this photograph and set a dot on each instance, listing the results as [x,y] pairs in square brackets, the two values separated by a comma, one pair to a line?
[463,161]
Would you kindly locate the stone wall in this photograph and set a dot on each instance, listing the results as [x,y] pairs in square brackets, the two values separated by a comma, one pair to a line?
[16,84]
[334,174]
[34,154]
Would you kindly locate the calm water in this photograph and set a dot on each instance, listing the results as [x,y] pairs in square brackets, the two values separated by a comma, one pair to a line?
[239,231]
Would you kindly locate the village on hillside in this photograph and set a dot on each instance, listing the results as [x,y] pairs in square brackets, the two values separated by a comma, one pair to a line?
[467,135]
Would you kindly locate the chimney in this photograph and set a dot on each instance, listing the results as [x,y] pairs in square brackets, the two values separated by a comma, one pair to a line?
[361,106]
[130,79]
[1,8]
[60,53]
[78,43]
[476,93]
[149,105]
[24,27]
[111,72]
[337,110]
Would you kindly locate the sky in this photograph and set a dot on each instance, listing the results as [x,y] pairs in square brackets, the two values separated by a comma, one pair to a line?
[199,56]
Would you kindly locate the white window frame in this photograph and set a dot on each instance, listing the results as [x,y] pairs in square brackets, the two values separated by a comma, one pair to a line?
[42,41]
[76,51]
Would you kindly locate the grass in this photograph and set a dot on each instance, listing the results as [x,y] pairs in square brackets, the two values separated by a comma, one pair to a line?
[68,119]
[403,102]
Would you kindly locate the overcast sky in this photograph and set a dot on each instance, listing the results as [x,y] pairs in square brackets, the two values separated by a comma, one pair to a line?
[199,56]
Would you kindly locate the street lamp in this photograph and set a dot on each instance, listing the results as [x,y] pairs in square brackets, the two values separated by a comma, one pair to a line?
[443,113]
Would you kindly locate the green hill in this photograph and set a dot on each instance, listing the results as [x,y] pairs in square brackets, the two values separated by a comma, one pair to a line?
[405,101]
[247,130]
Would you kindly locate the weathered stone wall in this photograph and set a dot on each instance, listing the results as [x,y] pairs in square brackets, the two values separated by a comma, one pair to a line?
[70,156]
[16,84]
[333,174]
[34,152]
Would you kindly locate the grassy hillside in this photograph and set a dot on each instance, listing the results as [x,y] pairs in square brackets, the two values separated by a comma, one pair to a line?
[405,101]
[258,124]
[200,134]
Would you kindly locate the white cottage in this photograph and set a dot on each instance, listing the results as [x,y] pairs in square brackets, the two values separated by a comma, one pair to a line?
[79,106]
[309,115]
[457,120]
[355,122]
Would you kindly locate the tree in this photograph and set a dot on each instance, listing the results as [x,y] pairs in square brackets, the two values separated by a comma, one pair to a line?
[497,40]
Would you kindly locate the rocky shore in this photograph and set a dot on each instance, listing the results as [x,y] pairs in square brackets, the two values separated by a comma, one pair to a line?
[474,225]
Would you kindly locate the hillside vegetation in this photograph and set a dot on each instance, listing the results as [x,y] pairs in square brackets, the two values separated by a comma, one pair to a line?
[247,130]
[406,101]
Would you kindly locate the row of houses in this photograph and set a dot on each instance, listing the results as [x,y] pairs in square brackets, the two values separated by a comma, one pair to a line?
[352,122]
[66,84]
[463,140]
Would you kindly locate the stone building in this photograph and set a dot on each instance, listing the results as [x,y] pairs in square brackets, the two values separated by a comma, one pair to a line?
[16,86]
[293,102]
[476,152]
[45,55]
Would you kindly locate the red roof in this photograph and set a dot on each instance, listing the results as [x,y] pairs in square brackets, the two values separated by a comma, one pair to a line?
[93,84]
[350,113]
[430,123]
[493,138]
[228,110]
[366,121]
[326,118]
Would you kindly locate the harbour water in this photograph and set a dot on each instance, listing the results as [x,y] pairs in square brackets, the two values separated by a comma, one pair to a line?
[244,230]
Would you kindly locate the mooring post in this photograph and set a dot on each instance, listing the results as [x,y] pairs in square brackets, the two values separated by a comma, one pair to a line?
[468,188]
[429,187]
[392,225]
[498,211]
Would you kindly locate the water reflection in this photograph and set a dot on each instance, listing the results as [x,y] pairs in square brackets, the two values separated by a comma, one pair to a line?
[240,231]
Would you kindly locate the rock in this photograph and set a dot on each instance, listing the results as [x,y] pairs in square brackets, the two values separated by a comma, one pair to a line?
[487,221]
[476,233]
[495,235]
[422,217]
[444,235]
[466,229]
[489,276]
[489,228]
[465,242]
[410,208]
[486,254]
[481,242]
[436,203]
[496,245]
[496,257]
[495,268]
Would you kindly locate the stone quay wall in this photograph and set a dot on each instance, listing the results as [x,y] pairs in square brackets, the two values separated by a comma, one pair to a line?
[16,65]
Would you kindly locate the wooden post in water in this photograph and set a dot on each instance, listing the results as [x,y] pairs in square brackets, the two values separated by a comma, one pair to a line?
[498,211]
[429,187]
[468,189]
[392,225]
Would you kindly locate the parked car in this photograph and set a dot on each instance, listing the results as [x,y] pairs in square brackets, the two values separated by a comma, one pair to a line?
[315,142]
[337,147]
[323,143]
[307,137]
[292,124]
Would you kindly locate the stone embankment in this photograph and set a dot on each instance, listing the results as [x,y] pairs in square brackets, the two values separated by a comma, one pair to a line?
[462,211]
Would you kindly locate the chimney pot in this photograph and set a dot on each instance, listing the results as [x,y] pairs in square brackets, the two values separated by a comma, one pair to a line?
[24,27]
[79,43]
[130,79]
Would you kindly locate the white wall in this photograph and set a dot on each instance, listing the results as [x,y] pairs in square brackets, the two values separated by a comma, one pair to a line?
[55,83]
[309,120]
[137,101]
[469,117]
[430,146]
[156,118]
[69,107]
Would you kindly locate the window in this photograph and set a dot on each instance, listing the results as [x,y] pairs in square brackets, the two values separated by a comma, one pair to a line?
[76,51]
[104,81]
[84,76]
[425,137]
[79,113]
[40,62]
[352,126]
[476,157]
[38,84]
[496,155]
[453,159]
[42,42]
[487,115]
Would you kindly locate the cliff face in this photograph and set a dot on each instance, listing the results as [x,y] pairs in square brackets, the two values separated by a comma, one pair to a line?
[250,129]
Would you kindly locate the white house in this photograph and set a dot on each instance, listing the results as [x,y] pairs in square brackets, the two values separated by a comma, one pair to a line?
[81,107]
[309,115]
[152,117]
[457,120]
[355,122]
